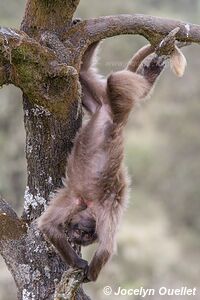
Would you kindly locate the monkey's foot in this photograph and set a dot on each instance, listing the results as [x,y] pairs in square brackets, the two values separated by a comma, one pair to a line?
[153,70]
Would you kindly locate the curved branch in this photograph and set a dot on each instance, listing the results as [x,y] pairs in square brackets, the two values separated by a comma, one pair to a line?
[11,228]
[152,28]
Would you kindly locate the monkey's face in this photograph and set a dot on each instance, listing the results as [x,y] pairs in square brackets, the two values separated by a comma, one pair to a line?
[82,229]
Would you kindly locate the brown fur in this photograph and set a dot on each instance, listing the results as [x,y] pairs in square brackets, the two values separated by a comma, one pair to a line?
[95,193]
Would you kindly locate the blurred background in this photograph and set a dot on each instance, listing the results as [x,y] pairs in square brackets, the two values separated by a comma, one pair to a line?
[159,238]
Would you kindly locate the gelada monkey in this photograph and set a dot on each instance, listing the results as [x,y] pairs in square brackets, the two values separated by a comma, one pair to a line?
[91,203]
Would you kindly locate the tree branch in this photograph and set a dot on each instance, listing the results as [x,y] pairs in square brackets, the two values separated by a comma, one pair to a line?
[11,228]
[22,59]
[69,286]
[152,28]
[4,71]
[43,14]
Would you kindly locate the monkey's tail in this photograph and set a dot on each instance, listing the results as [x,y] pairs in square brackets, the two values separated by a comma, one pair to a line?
[178,62]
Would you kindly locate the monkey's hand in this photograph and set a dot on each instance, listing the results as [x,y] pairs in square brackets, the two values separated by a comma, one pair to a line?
[82,264]
[86,278]
[90,275]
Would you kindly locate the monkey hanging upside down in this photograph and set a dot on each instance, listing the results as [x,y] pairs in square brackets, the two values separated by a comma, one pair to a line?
[94,195]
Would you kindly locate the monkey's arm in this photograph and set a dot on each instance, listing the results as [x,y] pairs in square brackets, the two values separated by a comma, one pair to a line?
[99,259]
[106,231]
[52,222]
[57,237]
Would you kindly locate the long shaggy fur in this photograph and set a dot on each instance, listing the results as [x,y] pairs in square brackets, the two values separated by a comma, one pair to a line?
[94,196]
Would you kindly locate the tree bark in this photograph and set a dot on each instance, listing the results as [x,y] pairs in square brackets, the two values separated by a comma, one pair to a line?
[42,15]
[43,60]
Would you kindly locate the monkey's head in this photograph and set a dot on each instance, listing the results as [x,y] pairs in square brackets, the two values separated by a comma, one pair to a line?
[82,229]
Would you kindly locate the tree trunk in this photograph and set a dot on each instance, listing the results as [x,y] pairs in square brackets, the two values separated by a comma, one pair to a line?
[34,264]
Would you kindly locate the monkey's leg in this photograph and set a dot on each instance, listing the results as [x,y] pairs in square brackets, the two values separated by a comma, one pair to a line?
[93,85]
[52,222]
[92,91]
[139,56]
[152,66]
[90,138]
[89,57]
